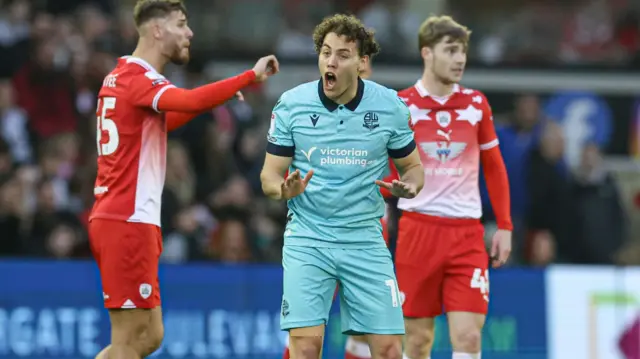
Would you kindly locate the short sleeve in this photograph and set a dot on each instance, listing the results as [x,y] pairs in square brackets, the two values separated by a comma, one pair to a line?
[147,88]
[487,137]
[280,141]
[401,143]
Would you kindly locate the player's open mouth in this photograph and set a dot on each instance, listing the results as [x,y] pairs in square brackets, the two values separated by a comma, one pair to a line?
[329,80]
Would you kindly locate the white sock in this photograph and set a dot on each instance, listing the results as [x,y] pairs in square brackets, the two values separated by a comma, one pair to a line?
[358,349]
[457,355]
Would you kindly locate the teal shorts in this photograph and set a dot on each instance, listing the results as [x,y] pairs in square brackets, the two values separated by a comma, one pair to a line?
[369,297]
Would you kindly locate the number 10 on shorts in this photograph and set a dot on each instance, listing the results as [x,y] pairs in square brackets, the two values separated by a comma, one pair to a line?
[395,292]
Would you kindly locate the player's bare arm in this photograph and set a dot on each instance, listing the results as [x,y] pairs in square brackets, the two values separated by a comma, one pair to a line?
[274,183]
[411,176]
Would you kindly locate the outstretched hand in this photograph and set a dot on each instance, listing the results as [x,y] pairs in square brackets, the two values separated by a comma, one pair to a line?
[399,188]
[294,184]
[265,67]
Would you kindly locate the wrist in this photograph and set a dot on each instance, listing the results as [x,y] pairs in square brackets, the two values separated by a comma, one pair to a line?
[251,74]
[505,226]
[272,189]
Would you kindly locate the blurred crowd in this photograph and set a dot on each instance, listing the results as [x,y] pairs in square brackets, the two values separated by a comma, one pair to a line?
[53,63]
[564,210]
[529,32]
[55,54]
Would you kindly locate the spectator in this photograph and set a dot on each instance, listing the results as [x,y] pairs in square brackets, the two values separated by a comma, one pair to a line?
[549,192]
[518,137]
[63,242]
[12,213]
[542,248]
[13,125]
[600,225]
[44,91]
[188,240]
[46,218]
[230,244]
[14,34]
[395,26]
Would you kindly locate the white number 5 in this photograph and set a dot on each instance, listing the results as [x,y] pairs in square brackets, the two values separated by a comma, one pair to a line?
[393,287]
[480,280]
[106,124]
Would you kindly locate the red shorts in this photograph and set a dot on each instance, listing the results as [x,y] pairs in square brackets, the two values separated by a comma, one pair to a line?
[127,255]
[441,263]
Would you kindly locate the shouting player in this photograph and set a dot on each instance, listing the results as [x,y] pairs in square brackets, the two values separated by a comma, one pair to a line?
[441,260]
[343,129]
[356,346]
[136,108]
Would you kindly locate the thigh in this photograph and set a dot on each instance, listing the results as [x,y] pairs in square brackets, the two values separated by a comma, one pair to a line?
[129,326]
[309,283]
[421,253]
[369,300]
[127,255]
[466,283]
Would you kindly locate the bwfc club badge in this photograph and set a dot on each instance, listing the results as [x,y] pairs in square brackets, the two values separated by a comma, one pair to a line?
[370,121]
[443,118]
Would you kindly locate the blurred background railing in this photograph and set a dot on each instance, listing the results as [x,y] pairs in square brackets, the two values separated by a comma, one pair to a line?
[563,78]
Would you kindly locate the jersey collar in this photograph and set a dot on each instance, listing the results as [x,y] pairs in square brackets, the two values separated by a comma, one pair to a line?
[422,91]
[330,105]
[140,62]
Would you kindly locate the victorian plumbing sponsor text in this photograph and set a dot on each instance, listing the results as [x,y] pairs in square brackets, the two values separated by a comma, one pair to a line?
[338,156]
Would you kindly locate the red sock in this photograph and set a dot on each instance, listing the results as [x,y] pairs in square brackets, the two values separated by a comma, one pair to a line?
[350,356]
[286,353]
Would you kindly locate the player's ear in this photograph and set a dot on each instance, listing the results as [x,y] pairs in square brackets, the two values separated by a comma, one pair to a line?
[426,52]
[364,62]
[155,28]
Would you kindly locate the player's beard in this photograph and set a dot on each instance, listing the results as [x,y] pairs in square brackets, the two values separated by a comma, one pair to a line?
[444,79]
[177,53]
[180,56]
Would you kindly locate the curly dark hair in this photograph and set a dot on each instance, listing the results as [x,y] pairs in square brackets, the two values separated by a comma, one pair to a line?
[351,27]
[146,10]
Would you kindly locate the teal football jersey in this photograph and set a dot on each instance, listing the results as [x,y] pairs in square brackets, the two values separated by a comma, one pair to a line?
[347,146]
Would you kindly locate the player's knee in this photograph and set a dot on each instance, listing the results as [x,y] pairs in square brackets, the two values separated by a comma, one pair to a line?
[467,340]
[152,339]
[128,332]
[133,328]
[391,349]
[419,342]
[306,347]
[308,352]
[418,346]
